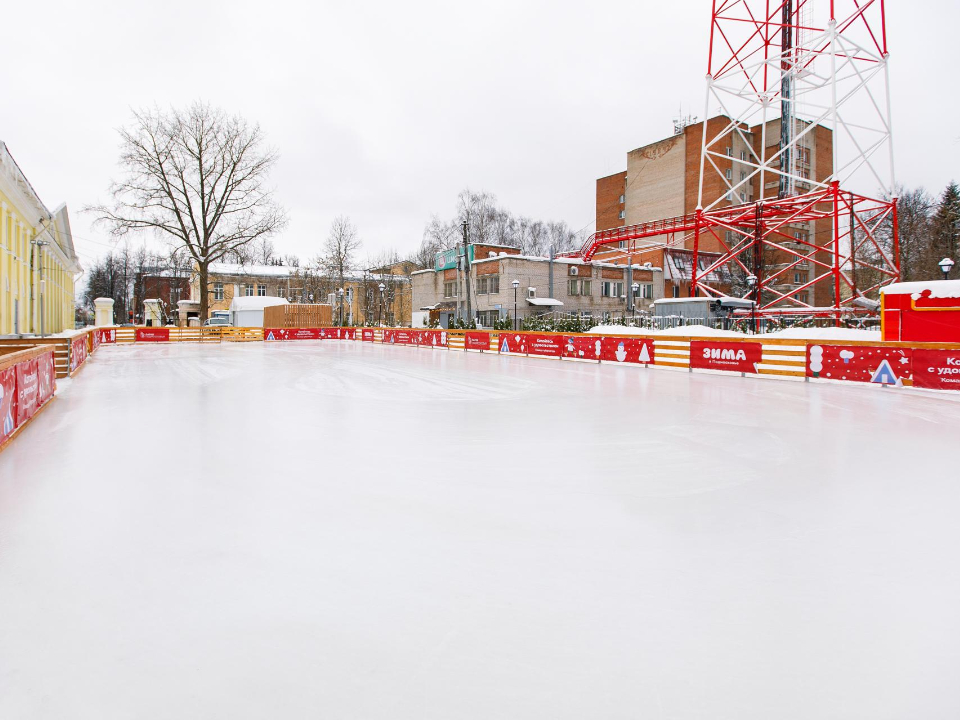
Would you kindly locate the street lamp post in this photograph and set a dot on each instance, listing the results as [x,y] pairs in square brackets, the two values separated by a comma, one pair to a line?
[40,245]
[382,308]
[516,284]
[752,282]
[340,293]
[635,287]
[946,265]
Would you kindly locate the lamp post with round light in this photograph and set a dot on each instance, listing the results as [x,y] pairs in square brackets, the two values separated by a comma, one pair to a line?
[516,284]
[752,282]
[340,294]
[946,265]
[635,287]
[382,301]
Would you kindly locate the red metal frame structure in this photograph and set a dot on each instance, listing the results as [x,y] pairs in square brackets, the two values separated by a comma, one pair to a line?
[794,67]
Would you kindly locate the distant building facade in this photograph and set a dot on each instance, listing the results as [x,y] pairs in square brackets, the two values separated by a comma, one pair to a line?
[38,262]
[596,289]
[662,181]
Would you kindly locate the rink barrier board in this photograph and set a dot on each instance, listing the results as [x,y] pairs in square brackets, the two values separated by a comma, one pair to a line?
[70,352]
[937,366]
[28,382]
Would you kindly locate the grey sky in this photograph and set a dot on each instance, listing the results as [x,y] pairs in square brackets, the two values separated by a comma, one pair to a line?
[384,111]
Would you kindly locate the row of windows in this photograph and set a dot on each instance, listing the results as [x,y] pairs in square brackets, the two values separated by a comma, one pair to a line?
[245,291]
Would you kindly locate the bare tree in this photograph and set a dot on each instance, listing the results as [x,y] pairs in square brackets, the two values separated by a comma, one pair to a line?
[340,249]
[197,178]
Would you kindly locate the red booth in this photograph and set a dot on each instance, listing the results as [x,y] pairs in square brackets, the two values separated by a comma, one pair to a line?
[921,311]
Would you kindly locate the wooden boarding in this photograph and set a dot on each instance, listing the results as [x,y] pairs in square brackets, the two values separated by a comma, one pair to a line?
[298,315]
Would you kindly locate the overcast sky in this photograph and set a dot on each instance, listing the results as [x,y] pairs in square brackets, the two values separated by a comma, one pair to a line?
[385,111]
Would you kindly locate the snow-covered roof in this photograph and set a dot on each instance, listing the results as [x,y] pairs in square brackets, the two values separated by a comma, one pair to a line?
[544,301]
[671,301]
[255,270]
[937,288]
[256,302]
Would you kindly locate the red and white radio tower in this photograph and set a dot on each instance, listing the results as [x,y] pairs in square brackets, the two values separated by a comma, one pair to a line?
[782,67]
[802,91]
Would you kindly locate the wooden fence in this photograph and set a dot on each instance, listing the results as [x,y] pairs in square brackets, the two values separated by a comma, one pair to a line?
[298,316]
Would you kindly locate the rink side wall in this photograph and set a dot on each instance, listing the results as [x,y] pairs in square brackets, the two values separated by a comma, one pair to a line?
[27,384]
[898,364]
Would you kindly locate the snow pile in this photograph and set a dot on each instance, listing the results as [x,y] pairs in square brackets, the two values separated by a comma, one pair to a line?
[937,288]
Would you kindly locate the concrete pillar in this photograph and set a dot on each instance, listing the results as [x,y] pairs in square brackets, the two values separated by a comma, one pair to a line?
[103,312]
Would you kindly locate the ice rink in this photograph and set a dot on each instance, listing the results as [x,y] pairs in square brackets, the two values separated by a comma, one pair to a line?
[343,530]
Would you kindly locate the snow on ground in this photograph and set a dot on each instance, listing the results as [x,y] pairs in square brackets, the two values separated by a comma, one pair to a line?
[825,333]
[343,530]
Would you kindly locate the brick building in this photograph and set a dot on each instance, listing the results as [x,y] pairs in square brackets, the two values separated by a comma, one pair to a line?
[597,289]
[662,181]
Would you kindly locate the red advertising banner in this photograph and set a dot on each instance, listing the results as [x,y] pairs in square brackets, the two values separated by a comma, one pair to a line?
[388,337]
[629,350]
[545,345]
[28,390]
[404,337]
[47,377]
[936,369]
[729,356]
[433,338]
[582,347]
[476,341]
[512,343]
[94,341]
[152,334]
[291,334]
[8,403]
[348,333]
[860,363]
[108,335]
[366,335]
[78,352]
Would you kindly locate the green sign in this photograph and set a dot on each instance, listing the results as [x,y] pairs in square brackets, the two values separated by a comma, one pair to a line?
[447,259]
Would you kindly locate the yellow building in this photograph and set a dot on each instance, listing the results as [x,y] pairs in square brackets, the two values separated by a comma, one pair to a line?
[38,263]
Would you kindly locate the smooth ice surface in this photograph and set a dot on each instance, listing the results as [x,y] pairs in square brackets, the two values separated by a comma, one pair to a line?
[343,530]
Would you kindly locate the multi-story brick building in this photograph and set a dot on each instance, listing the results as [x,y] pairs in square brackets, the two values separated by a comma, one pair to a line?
[597,289]
[662,181]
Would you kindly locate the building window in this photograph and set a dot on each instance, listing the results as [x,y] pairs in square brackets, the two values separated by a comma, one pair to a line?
[280,292]
[729,152]
[797,278]
[578,287]
[261,290]
[729,173]
[218,291]
[611,289]
[621,199]
[646,291]
[488,285]
[622,245]
[248,290]
[623,214]
[450,289]
[676,291]
[743,155]
[743,176]
[488,317]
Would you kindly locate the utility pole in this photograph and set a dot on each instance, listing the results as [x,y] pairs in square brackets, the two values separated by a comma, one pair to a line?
[466,269]
[40,245]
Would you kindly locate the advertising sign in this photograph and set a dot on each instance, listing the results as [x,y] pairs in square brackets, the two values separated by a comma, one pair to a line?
[859,363]
[545,345]
[936,369]
[108,335]
[405,337]
[28,390]
[476,340]
[433,338]
[152,334]
[366,335]
[8,402]
[78,352]
[47,377]
[729,356]
[627,350]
